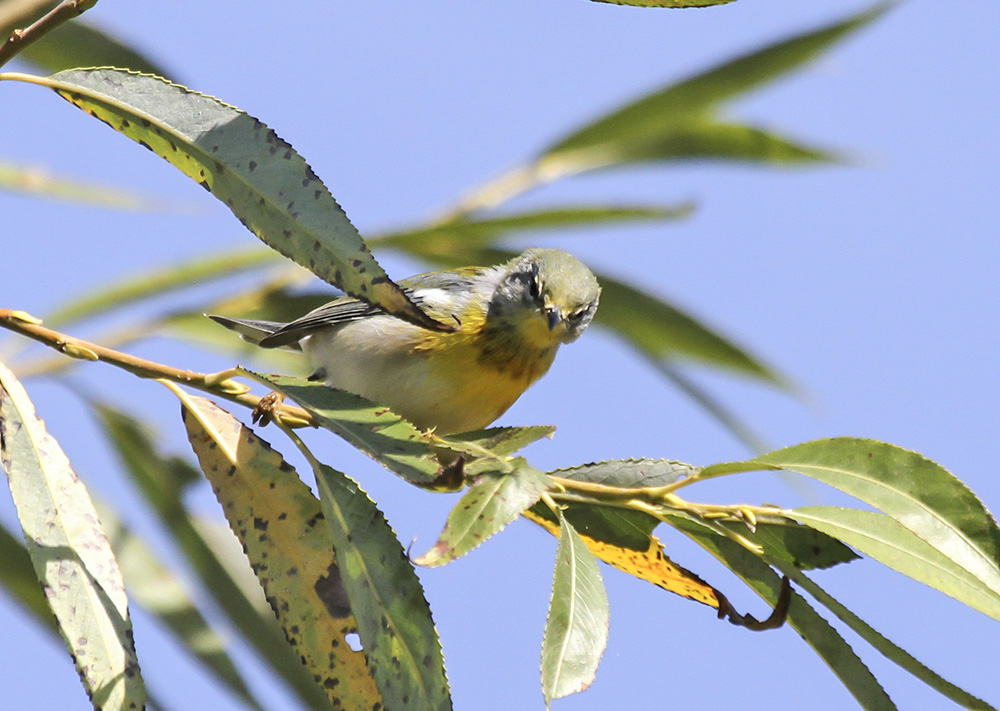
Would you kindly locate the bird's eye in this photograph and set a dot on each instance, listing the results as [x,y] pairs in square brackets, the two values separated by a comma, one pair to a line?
[578,315]
[533,287]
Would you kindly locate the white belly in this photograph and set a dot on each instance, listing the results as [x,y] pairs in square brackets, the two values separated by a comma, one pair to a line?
[376,358]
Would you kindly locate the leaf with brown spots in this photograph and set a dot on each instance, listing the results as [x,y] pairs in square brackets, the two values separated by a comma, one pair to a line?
[153,583]
[280,524]
[650,564]
[70,553]
[623,538]
[394,620]
[247,166]
[485,509]
[210,549]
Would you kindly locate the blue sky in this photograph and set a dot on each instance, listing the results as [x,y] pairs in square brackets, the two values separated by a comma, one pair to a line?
[872,285]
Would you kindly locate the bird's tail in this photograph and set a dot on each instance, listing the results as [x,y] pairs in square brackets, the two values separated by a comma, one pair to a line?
[250,330]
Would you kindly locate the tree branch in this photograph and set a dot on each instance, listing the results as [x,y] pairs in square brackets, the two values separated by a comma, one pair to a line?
[63,12]
[218,384]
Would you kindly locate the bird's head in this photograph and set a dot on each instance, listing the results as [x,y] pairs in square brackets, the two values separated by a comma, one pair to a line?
[548,294]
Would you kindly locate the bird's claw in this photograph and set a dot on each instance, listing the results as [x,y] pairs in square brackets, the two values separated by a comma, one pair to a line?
[265,411]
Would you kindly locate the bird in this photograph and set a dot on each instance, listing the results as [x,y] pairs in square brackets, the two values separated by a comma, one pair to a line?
[510,320]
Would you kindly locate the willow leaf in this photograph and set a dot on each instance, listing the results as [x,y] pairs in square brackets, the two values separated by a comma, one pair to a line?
[485,509]
[921,495]
[461,233]
[278,519]
[17,577]
[576,631]
[394,620]
[887,647]
[38,182]
[163,481]
[243,163]
[692,99]
[881,538]
[161,281]
[80,44]
[70,553]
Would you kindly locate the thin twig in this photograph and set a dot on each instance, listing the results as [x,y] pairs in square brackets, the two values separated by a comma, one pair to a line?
[659,502]
[218,384]
[61,13]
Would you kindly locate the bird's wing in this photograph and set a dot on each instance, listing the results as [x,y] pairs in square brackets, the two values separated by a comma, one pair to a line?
[338,311]
[268,334]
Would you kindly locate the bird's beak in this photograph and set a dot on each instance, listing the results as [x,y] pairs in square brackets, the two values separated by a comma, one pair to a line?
[554,315]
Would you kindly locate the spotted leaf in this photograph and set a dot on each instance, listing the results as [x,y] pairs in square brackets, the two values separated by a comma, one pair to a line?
[258,175]
[280,523]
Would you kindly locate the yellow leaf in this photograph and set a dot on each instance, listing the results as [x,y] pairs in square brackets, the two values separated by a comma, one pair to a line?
[651,565]
[275,516]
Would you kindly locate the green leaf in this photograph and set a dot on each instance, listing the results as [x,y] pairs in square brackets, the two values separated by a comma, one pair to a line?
[816,631]
[918,493]
[163,482]
[38,182]
[274,301]
[378,432]
[465,232]
[392,441]
[485,509]
[647,563]
[619,527]
[678,121]
[394,621]
[888,648]
[73,44]
[701,140]
[576,631]
[801,546]
[689,101]
[278,520]
[266,184]
[503,441]
[890,543]
[629,473]
[70,554]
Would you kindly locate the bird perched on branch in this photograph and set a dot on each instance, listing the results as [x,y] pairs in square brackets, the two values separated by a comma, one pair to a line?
[510,319]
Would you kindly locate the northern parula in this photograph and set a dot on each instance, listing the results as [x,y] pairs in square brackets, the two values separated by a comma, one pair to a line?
[511,320]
